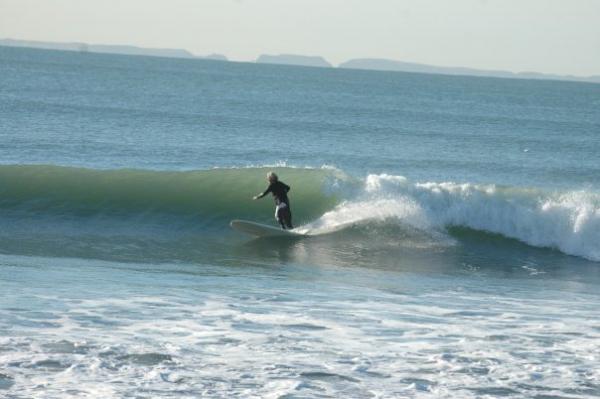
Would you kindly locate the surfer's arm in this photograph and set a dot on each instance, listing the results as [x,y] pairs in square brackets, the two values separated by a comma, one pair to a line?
[287,188]
[259,196]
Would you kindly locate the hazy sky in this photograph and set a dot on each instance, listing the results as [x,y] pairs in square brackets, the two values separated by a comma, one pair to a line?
[553,36]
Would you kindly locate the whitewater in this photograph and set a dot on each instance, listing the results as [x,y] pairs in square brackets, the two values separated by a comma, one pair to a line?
[453,247]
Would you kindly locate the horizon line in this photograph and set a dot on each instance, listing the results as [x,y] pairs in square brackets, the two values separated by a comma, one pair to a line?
[464,70]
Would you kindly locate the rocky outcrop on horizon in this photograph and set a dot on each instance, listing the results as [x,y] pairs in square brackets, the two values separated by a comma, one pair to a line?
[293,59]
[216,57]
[108,49]
[382,64]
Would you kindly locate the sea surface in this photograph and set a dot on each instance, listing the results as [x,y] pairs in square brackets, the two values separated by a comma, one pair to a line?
[454,223]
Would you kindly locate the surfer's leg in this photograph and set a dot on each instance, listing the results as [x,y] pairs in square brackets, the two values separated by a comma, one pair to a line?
[280,218]
[286,217]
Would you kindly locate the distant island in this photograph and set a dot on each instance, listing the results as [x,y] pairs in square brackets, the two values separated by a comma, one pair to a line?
[381,64]
[108,49]
[292,59]
[375,64]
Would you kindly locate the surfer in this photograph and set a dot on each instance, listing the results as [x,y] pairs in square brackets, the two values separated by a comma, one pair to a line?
[279,189]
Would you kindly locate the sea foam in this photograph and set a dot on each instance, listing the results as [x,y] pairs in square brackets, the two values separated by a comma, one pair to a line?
[568,221]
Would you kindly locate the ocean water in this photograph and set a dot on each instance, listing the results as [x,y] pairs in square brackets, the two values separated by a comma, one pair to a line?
[455,222]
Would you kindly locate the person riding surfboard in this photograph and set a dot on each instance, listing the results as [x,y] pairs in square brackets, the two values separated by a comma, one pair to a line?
[279,190]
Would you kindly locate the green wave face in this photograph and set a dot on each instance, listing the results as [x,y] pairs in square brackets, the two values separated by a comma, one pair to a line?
[49,208]
[211,195]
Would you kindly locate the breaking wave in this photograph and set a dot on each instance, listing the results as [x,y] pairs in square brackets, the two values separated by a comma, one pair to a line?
[324,200]
[568,221]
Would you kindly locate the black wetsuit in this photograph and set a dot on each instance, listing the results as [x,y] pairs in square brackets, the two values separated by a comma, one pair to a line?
[279,191]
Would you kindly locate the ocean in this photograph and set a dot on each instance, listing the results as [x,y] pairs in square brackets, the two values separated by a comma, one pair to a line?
[454,222]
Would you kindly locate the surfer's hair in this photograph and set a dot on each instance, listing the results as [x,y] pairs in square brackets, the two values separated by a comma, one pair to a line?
[272,175]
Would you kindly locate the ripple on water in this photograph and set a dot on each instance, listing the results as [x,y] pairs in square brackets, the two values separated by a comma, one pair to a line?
[26,323]
[325,376]
[146,359]
[420,384]
[587,389]
[37,315]
[474,370]
[372,373]
[50,365]
[305,326]
[498,337]
[494,391]
[6,381]
[66,347]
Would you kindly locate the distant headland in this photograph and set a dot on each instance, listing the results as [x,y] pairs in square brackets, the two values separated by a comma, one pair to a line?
[292,59]
[376,64]
[108,49]
[381,64]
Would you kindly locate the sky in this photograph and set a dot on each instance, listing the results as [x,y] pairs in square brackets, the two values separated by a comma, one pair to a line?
[550,36]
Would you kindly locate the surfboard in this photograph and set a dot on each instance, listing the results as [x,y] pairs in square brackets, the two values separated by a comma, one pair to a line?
[262,230]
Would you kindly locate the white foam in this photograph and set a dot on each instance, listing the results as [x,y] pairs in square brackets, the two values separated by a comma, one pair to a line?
[422,346]
[568,221]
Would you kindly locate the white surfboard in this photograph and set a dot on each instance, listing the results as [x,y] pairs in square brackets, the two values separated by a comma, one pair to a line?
[262,230]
